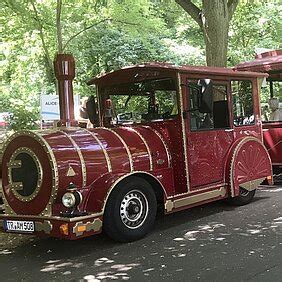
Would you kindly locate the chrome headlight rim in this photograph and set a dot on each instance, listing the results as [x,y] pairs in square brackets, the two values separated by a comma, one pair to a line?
[68,197]
[76,199]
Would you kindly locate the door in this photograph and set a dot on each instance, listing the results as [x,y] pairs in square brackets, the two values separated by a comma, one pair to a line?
[209,134]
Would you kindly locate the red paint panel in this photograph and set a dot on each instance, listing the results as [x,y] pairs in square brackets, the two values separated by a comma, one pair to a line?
[66,155]
[93,156]
[160,158]
[272,137]
[172,134]
[207,153]
[136,146]
[116,150]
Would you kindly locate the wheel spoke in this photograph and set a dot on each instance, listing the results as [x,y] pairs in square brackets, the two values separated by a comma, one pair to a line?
[134,209]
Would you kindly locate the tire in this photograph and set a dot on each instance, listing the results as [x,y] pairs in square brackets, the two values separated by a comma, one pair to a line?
[130,210]
[244,198]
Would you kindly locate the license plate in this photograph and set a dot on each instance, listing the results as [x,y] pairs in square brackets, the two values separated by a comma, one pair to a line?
[21,226]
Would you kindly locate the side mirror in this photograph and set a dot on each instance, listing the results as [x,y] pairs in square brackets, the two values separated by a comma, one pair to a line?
[205,96]
[92,110]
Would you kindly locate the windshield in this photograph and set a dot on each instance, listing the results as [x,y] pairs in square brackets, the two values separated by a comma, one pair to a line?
[147,100]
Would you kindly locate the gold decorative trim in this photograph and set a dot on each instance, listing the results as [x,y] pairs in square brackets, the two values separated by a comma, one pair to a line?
[169,206]
[15,164]
[125,176]
[241,143]
[191,192]
[124,144]
[70,171]
[95,225]
[199,198]
[146,145]
[163,141]
[252,185]
[183,133]
[45,226]
[17,186]
[103,149]
[53,164]
[58,218]
[82,161]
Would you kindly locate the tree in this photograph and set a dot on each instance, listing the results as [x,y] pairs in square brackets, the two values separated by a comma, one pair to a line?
[213,18]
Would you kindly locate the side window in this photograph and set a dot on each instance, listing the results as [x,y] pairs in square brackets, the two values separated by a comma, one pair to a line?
[167,103]
[218,118]
[243,106]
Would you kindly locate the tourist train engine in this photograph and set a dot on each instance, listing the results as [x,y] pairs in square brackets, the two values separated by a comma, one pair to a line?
[164,136]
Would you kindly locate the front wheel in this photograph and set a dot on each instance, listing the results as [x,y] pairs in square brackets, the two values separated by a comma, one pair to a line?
[244,198]
[130,211]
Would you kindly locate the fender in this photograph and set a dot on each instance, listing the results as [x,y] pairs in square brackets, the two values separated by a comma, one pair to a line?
[102,187]
[248,165]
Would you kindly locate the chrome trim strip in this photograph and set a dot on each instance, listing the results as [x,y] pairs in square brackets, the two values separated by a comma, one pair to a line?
[146,145]
[103,149]
[124,144]
[82,161]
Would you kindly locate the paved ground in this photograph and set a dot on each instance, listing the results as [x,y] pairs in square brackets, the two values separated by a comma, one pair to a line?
[210,243]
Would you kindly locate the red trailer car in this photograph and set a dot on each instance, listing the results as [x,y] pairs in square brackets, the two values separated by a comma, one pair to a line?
[164,136]
[271,63]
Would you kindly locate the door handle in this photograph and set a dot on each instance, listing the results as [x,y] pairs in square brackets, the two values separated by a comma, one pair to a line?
[229,130]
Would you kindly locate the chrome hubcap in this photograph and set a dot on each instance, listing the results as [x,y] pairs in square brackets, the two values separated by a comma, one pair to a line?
[134,209]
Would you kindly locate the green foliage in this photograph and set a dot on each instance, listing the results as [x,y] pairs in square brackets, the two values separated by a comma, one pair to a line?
[24,114]
[105,35]
[256,24]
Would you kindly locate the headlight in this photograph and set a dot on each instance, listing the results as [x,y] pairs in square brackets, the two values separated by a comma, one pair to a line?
[68,200]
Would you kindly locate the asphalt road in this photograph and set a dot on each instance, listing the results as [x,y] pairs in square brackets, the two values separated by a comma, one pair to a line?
[214,242]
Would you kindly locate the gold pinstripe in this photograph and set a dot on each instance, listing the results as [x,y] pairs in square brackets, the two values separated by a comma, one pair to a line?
[109,165]
[124,144]
[147,146]
[164,143]
[82,161]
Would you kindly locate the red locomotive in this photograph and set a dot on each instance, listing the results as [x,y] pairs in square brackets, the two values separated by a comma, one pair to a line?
[164,136]
[271,63]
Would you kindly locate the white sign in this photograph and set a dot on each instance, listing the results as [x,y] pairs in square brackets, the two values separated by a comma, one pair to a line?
[50,109]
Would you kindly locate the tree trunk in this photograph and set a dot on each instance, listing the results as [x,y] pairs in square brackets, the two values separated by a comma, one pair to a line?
[215,20]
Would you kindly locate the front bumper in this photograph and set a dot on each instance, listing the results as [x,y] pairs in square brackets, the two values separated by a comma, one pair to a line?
[59,227]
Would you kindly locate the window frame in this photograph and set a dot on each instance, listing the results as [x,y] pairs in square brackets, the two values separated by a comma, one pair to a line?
[219,82]
[253,102]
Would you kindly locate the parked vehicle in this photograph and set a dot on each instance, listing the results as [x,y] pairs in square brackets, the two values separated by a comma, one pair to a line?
[167,136]
[271,63]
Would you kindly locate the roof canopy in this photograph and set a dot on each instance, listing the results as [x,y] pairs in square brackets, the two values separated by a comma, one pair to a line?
[270,62]
[151,70]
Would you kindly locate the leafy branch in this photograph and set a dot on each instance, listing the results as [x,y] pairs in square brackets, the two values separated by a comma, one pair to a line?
[92,26]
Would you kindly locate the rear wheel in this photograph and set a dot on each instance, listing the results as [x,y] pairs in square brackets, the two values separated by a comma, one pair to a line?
[130,211]
[244,198]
